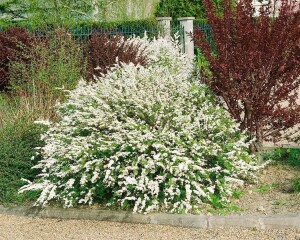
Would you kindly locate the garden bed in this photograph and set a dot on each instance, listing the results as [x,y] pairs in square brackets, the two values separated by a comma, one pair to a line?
[273,194]
[144,136]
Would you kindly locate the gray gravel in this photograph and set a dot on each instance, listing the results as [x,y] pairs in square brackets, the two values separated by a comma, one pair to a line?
[13,227]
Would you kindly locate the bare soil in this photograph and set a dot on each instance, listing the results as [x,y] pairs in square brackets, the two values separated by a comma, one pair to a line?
[273,194]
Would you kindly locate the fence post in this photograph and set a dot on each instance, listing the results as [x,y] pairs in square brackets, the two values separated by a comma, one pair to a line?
[165,24]
[188,27]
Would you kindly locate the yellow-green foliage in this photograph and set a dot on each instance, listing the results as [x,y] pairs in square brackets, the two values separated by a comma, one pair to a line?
[130,10]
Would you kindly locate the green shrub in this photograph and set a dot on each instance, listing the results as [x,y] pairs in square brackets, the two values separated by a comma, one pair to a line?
[117,26]
[290,156]
[202,66]
[145,137]
[183,8]
[70,12]
[18,141]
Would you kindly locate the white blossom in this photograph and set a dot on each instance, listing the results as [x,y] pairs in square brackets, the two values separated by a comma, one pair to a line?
[149,136]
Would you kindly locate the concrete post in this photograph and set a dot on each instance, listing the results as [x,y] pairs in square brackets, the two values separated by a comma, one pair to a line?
[165,24]
[188,26]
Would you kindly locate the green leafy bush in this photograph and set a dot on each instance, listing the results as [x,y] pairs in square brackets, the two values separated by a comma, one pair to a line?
[70,12]
[290,156]
[202,66]
[17,146]
[145,137]
[36,78]
[183,8]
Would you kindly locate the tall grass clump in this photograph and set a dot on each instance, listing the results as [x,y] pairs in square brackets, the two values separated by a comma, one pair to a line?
[54,64]
[144,137]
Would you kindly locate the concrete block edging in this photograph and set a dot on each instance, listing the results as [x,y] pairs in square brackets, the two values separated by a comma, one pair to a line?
[178,220]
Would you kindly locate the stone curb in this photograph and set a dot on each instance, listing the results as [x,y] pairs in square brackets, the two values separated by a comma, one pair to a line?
[178,220]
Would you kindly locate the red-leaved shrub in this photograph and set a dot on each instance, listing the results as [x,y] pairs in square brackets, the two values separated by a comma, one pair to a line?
[255,63]
[104,51]
[12,41]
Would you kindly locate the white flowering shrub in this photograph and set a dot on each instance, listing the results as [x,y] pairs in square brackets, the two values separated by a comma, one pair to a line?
[149,138]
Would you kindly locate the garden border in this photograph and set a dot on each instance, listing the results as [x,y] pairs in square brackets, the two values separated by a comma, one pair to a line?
[291,221]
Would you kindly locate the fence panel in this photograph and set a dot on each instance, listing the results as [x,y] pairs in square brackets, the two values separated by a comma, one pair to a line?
[205,28]
[83,33]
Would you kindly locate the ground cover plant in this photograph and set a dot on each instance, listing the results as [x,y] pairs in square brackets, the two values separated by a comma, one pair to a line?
[255,65]
[145,137]
[289,156]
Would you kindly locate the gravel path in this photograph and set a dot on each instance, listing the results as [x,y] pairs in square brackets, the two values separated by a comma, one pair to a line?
[19,228]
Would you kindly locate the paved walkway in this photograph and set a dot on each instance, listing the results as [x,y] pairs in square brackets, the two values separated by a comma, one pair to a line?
[23,228]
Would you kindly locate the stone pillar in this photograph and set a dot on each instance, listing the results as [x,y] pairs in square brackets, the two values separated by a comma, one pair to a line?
[188,26]
[165,24]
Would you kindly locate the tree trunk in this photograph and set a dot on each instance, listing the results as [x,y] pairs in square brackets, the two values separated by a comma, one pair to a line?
[257,146]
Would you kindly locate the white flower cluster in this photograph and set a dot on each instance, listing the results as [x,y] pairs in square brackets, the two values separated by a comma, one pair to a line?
[150,138]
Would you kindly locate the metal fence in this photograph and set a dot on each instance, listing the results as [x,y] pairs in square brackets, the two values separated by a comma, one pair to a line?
[83,33]
[203,26]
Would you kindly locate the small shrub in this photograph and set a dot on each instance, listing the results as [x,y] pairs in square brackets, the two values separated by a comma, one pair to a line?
[17,146]
[202,67]
[104,51]
[290,156]
[143,137]
[13,42]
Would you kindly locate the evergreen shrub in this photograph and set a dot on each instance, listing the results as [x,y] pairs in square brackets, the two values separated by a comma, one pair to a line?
[18,141]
